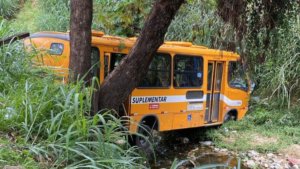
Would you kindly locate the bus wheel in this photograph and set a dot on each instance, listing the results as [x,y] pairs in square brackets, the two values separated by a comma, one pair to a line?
[144,138]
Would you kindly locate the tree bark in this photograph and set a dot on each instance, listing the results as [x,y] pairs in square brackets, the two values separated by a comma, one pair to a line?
[118,85]
[80,38]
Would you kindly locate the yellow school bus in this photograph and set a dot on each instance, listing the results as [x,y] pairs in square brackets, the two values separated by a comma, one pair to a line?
[186,86]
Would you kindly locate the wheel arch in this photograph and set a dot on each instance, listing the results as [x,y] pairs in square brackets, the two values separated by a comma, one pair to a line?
[151,120]
[233,112]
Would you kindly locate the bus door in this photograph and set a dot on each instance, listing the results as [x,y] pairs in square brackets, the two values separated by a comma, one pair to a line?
[214,83]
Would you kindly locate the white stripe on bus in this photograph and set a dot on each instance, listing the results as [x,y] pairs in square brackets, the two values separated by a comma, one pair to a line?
[230,102]
[179,98]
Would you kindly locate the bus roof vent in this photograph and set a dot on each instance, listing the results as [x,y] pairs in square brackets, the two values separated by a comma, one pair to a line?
[97,33]
[178,43]
[200,47]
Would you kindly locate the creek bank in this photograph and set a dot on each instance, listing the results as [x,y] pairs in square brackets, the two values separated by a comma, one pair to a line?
[211,152]
[250,159]
[197,154]
[254,159]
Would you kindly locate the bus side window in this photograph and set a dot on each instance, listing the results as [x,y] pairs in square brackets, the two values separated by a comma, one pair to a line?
[188,71]
[106,59]
[159,73]
[115,60]
[95,62]
[111,61]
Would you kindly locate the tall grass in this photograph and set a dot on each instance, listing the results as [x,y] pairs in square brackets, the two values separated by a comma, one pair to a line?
[54,16]
[8,8]
[279,76]
[50,122]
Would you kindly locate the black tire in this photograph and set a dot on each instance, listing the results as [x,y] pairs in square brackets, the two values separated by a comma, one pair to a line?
[144,141]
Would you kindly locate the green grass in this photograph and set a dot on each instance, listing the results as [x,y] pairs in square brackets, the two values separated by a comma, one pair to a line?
[51,121]
[262,129]
[25,19]
[8,8]
[48,15]
[11,155]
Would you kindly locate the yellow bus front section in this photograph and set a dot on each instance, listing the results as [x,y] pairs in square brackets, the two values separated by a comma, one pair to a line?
[175,111]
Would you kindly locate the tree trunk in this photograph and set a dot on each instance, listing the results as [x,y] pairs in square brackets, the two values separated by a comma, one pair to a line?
[80,38]
[118,85]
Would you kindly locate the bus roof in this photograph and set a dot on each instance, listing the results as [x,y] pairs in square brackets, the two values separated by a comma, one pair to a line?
[100,38]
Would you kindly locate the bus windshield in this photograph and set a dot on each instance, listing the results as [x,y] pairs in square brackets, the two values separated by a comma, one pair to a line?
[237,78]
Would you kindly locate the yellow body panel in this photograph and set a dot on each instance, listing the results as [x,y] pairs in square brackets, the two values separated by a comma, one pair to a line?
[171,107]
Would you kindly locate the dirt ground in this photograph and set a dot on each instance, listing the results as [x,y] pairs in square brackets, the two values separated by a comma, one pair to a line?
[293,151]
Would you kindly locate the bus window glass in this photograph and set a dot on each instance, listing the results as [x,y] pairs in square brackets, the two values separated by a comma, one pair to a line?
[56,48]
[219,76]
[106,58]
[209,75]
[188,71]
[237,77]
[95,62]
[159,73]
[115,60]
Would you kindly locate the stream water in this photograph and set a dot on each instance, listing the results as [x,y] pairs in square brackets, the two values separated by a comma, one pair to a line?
[166,151]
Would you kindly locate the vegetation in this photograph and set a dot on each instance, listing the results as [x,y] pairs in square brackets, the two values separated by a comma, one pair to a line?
[8,8]
[272,53]
[48,122]
[263,130]
[268,39]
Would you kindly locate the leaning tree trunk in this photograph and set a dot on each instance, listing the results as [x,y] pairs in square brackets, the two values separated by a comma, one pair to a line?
[80,38]
[126,76]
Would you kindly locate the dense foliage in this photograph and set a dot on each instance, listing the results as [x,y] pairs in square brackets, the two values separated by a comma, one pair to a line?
[48,121]
[266,33]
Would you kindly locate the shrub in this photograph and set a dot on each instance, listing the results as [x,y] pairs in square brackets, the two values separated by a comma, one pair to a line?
[50,121]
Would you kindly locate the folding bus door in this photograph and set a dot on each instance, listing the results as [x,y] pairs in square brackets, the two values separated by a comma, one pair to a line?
[214,83]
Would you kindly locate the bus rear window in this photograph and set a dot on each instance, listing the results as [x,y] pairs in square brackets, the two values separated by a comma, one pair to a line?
[56,48]
[159,73]
[188,71]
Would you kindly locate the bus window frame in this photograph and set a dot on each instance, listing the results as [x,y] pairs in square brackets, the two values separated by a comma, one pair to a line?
[173,65]
[170,71]
[228,78]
